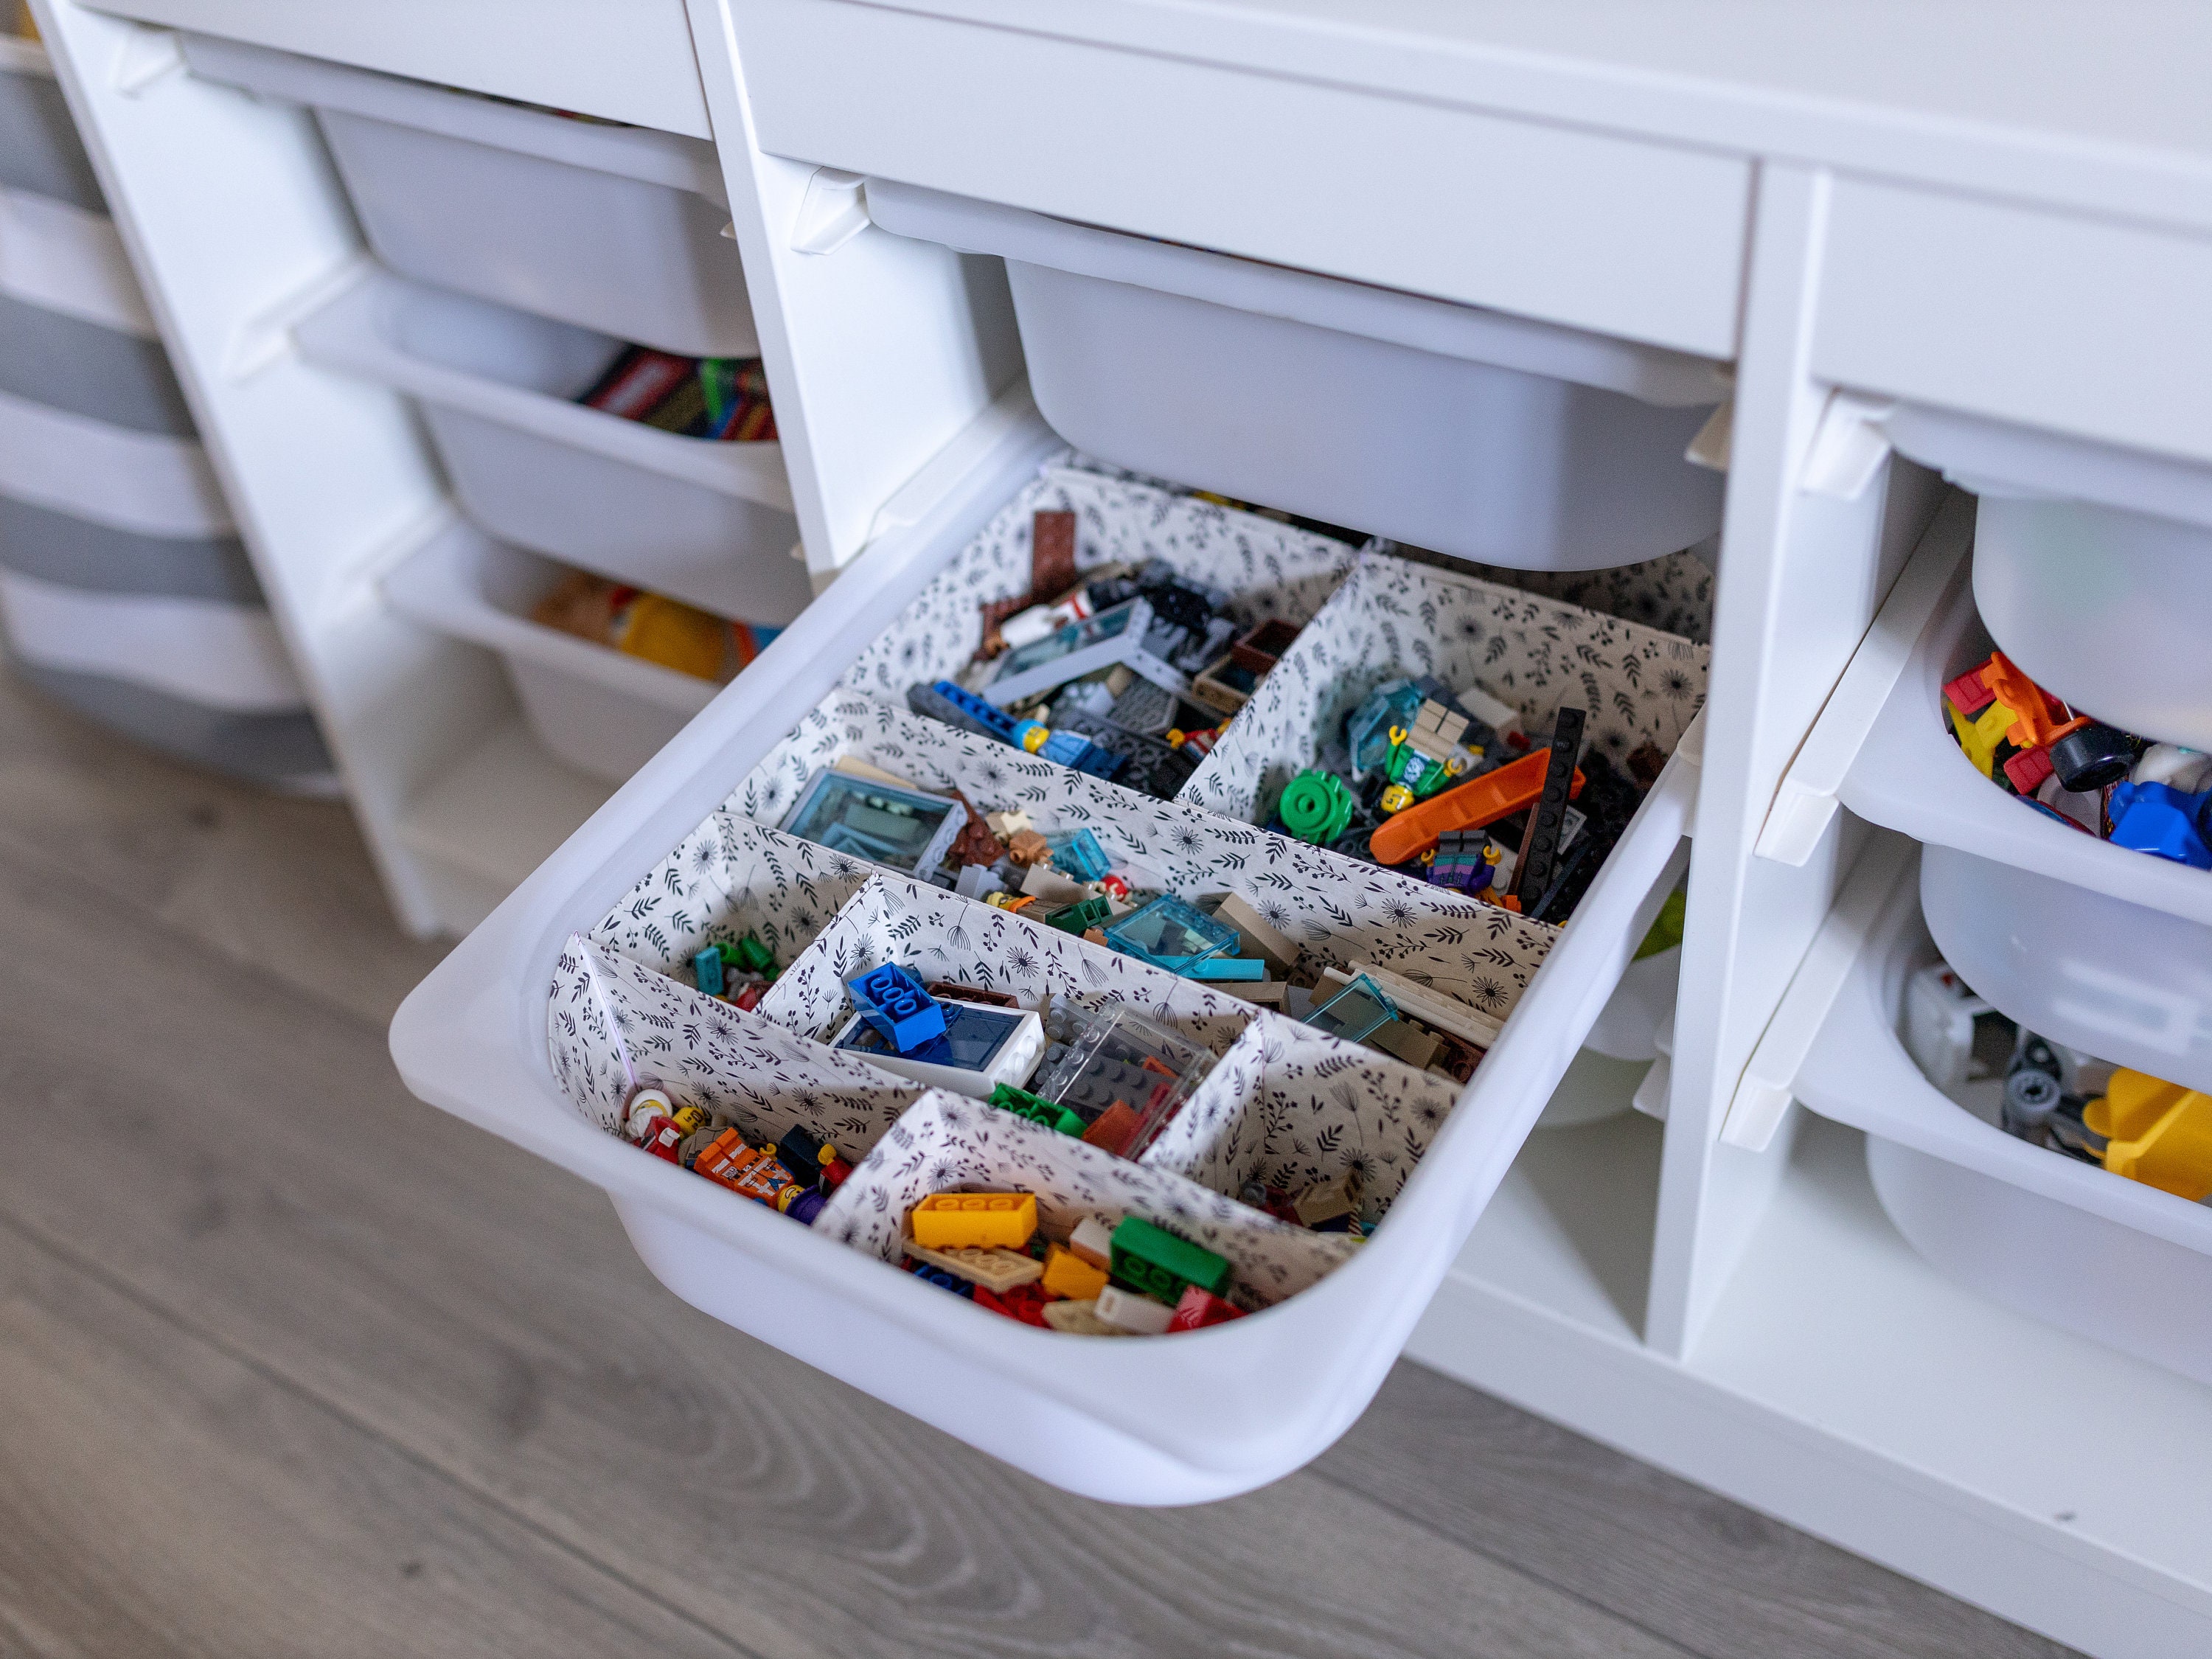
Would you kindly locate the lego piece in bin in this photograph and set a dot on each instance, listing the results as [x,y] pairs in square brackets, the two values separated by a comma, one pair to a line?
[905,829]
[1315,806]
[1170,934]
[1138,1315]
[1327,1200]
[1473,805]
[2153,818]
[943,1277]
[1048,883]
[1155,1262]
[1092,1241]
[1539,844]
[1109,1058]
[948,1221]
[981,1049]
[1353,1012]
[1052,551]
[1006,825]
[1196,1310]
[994,1267]
[1037,1109]
[978,882]
[892,1001]
[1027,847]
[1146,765]
[951,990]
[1114,635]
[1080,917]
[1403,1039]
[1025,1302]
[707,971]
[1079,853]
[1115,1129]
[811,1160]
[2155,1132]
[1225,970]
[750,953]
[1079,1319]
[1068,1274]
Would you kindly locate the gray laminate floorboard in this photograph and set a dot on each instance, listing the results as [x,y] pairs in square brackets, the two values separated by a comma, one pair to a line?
[213,1144]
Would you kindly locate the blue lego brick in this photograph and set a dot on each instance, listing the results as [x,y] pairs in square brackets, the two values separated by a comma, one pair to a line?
[1171,934]
[892,1001]
[2159,820]
[1080,854]
[1241,968]
[707,968]
[946,702]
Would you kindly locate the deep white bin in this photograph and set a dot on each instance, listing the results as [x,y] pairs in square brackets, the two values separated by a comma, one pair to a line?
[612,227]
[1489,437]
[2092,566]
[1203,1416]
[598,710]
[2102,948]
[2065,1241]
[696,520]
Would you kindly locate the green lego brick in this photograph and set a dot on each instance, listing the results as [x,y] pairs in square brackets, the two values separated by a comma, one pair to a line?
[1022,1103]
[1082,914]
[1154,1261]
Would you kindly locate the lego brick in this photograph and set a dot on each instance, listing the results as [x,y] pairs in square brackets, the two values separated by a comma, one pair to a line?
[1115,1129]
[1430,1006]
[978,881]
[1417,1048]
[753,955]
[1539,844]
[1213,968]
[1267,992]
[980,1048]
[975,844]
[1025,1302]
[1092,1241]
[706,970]
[1197,1309]
[1325,1201]
[892,1001]
[902,830]
[1052,552]
[1054,885]
[1260,937]
[1470,806]
[943,1278]
[1170,933]
[1114,635]
[954,991]
[952,1220]
[853,766]
[1022,1103]
[1138,1315]
[996,1269]
[1315,806]
[1028,848]
[1157,1262]
[1352,1012]
[1078,1319]
[1080,853]
[1006,825]
[1067,1274]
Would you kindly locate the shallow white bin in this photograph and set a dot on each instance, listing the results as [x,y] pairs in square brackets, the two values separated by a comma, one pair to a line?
[615,228]
[210,652]
[2100,947]
[2118,1261]
[1489,437]
[282,750]
[698,521]
[598,710]
[1197,1416]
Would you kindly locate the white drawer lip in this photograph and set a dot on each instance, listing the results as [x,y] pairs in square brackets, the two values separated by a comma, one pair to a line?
[470,1039]
[1856,1071]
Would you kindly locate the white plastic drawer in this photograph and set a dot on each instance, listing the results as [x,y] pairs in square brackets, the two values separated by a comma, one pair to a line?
[1491,437]
[2077,1246]
[598,710]
[610,228]
[211,652]
[697,520]
[1196,1417]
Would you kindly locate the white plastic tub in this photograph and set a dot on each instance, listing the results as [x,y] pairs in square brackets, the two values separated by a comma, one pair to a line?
[1489,437]
[2107,950]
[282,751]
[2065,1241]
[598,710]
[614,229]
[218,655]
[149,484]
[1179,1421]
[696,520]
[2093,566]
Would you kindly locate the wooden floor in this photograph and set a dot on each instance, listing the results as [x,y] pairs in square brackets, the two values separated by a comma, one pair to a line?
[292,1363]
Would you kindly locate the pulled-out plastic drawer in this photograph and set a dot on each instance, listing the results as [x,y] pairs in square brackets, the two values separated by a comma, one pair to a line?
[574,992]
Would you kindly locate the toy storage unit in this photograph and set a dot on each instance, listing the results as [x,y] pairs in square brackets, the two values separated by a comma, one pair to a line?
[123,590]
[1532,315]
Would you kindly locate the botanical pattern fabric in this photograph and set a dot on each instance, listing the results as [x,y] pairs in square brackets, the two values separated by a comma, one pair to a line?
[1673,594]
[1267,569]
[1393,620]
[939,935]
[1336,910]
[614,1026]
[1289,1106]
[948,1143]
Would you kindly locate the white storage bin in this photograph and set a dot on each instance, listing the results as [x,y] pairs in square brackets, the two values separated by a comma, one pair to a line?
[2062,1241]
[600,711]
[39,150]
[145,482]
[1195,1417]
[696,520]
[2102,948]
[1488,437]
[210,652]
[614,229]
[2093,566]
[84,369]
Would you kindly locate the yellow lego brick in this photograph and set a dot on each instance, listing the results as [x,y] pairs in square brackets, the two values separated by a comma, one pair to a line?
[1068,1274]
[2157,1133]
[951,1221]
[1979,738]
[994,1269]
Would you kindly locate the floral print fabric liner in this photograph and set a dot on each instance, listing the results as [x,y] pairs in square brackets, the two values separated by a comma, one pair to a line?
[1393,619]
[948,1142]
[1336,909]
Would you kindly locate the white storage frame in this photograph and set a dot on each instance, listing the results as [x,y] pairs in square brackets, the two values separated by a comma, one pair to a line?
[1865,248]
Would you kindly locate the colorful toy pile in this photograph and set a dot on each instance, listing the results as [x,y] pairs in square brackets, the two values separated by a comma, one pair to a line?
[795,1176]
[651,626]
[2154,798]
[723,398]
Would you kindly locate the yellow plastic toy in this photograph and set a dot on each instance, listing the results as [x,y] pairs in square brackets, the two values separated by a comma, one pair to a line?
[952,1221]
[2155,1132]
